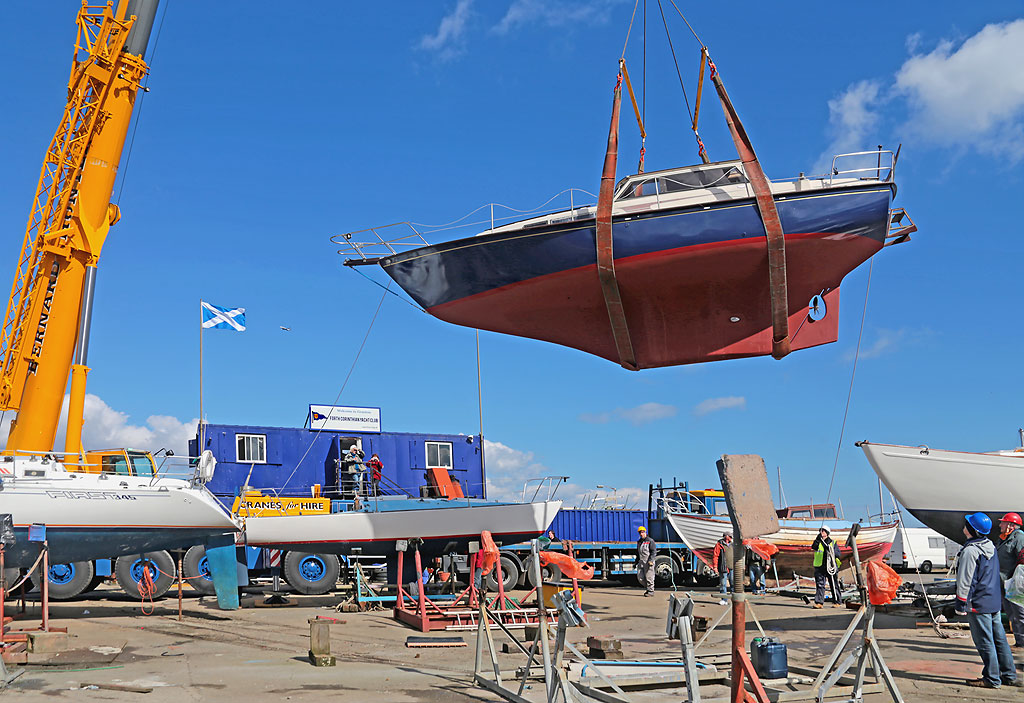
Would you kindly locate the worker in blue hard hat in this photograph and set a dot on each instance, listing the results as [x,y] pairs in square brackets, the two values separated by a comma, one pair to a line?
[979,596]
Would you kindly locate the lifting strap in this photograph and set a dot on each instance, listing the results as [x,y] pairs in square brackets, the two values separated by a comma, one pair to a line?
[769,216]
[636,111]
[603,237]
[701,151]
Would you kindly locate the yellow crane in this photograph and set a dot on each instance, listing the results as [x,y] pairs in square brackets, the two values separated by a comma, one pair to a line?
[45,332]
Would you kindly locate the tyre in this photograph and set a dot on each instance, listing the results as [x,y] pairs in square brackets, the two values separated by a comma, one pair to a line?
[509,573]
[551,572]
[311,574]
[70,580]
[129,571]
[926,567]
[95,583]
[195,569]
[664,571]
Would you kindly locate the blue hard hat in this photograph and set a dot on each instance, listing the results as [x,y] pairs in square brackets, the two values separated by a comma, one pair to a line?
[980,523]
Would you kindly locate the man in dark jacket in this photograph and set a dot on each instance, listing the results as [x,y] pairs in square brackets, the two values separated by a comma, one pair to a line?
[826,567]
[979,595]
[722,559]
[646,550]
[1010,550]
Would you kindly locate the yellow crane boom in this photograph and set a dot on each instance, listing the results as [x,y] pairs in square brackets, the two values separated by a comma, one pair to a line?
[50,304]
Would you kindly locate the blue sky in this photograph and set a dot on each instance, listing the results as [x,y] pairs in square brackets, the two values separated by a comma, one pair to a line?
[266,132]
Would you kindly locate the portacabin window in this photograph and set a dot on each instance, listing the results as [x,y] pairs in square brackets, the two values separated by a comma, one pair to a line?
[439,455]
[252,448]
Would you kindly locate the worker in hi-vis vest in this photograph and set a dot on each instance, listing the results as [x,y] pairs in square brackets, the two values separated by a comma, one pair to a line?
[826,567]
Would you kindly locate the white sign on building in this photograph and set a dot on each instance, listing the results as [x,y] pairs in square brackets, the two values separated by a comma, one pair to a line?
[344,418]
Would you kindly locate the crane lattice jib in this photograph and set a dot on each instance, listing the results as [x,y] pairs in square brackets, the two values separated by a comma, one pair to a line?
[98,60]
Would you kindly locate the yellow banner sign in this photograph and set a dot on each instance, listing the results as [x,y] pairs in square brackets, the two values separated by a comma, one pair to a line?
[269,506]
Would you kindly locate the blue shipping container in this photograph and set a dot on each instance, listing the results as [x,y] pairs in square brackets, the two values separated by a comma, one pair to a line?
[599,525]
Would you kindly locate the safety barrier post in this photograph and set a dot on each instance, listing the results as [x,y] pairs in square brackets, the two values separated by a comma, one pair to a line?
[179,587]
[45,578]
[3,595]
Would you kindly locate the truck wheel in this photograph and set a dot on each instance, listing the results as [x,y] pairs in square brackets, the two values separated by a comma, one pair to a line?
[926,567]
[70,580]
[196,569]
[551,572]
[311,574]
[94,584]
[509,572]
[663,571]
[129,570]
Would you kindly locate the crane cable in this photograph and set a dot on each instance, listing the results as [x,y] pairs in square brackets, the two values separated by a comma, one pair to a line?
[341,390]
[853,376]
[138,115]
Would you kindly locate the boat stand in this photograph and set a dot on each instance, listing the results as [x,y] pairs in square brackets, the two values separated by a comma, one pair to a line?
[557,686]
[462,613]
[865,653]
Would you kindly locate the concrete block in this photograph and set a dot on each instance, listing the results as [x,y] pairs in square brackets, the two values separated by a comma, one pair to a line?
[605,642]
[605,654]
[321,659]
[47,642]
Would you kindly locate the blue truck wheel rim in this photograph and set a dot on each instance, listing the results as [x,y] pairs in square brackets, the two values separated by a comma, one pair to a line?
[136,570]
[312,568]
[61,574]
[204,569]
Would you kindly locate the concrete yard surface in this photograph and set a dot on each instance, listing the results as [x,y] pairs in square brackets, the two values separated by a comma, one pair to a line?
[261,654]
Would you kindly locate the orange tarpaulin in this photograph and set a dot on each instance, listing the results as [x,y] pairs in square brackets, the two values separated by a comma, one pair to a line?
[762,548]
[487,557]
[883,582]
[569,567]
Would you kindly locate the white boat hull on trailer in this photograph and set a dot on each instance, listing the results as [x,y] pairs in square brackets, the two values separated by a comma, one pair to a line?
[94,516]
[940,487]
[455,522]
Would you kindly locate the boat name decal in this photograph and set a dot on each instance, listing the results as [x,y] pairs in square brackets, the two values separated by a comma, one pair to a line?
[91,495]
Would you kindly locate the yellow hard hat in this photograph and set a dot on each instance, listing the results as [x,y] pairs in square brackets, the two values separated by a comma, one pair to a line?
[641,529]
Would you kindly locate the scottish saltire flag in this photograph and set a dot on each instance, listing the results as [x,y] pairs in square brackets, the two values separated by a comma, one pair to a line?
[217,318]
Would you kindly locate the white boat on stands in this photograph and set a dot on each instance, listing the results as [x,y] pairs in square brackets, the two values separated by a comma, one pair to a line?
[443,525]
[940,487]
[794,538]
[94,516]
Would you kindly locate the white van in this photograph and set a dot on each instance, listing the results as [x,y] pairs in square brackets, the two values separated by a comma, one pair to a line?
[919,548]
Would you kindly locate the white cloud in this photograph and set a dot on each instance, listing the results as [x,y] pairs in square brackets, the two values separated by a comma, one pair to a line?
[889,341]
[853,120]
[106,427]
[553,13]
[970,96]
[508,469]
[639,415]
[449,33]
[724,403]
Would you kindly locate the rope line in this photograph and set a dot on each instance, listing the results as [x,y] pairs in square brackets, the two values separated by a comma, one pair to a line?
[342,389]
[376,283]
[853,375]
[142,99]
[688,26]
[631,18]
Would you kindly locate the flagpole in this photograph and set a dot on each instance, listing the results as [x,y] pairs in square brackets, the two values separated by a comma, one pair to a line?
[202,426]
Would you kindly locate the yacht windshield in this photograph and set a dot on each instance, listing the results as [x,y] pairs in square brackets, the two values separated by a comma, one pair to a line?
[693,178]
[142,464]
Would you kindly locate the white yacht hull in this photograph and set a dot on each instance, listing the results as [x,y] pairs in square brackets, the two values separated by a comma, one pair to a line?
[92,516]
[940,487]
[437,527]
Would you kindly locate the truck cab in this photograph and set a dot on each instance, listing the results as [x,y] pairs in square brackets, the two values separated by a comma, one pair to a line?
[121,462]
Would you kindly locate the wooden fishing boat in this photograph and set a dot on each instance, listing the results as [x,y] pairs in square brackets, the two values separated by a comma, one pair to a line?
[793,540]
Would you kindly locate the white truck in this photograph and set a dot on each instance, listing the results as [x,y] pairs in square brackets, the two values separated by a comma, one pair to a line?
[919,549]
